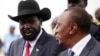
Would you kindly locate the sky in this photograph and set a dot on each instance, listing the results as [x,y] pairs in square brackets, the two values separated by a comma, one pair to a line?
[9,7]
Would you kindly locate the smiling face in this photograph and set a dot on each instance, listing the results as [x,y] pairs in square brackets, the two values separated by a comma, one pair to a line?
[30,27]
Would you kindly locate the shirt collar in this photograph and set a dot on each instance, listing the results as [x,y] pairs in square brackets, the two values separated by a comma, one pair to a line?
[77,48]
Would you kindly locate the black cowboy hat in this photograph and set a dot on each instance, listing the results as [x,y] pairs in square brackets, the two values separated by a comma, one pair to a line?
[31,7]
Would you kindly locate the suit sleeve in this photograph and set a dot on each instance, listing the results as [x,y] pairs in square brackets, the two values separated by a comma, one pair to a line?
[10,52]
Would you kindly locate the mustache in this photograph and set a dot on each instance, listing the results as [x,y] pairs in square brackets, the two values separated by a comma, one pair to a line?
[25,30]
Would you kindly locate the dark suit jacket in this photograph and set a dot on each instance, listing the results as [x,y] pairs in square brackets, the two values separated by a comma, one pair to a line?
[91,49]
[95,31]
[46,46]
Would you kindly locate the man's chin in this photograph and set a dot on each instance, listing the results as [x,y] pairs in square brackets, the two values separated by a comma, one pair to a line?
[29,38]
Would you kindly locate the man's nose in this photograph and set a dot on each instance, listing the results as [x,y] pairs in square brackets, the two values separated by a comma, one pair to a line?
[27,26]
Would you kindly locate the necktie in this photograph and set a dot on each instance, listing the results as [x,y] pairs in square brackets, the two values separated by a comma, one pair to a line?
[27,51]
[70,53]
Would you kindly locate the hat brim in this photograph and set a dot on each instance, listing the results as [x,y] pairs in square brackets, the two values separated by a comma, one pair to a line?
[44,13]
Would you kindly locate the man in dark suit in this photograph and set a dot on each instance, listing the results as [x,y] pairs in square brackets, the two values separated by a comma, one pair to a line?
[35,41]
[95,25]
[73,32]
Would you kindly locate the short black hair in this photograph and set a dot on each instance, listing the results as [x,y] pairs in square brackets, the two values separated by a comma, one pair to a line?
[81,18]
[77,1]
[73,1]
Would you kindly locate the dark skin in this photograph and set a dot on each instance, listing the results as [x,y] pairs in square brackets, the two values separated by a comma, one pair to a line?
[68,32]
[77,3]
[11,30]
[30,27]
[97,14]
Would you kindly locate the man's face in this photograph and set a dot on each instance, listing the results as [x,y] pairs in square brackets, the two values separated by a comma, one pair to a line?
[12,30]
[63,27]
[30,27]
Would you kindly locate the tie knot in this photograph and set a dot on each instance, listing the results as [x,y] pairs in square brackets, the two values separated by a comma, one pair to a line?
[28,44]
[70,53]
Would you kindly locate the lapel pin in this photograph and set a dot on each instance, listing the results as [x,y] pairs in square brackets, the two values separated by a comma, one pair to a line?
[37,49]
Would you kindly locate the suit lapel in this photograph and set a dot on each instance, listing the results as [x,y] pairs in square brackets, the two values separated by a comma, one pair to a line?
[85,52]
[63,53]
[66,54]
[88,47]
[36,50]
[39,44]
[21,48]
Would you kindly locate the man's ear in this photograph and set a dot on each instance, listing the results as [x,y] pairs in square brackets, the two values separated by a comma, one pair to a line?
[74,28]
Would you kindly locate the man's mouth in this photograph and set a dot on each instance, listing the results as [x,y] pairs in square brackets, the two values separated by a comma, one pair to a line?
[28,33]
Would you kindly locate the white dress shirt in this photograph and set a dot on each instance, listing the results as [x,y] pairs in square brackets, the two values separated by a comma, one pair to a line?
[78,47]
[32,43]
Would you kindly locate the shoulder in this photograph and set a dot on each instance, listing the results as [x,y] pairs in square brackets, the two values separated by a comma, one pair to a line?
[97,44]
[94,45]
[96,34]
[94,42]
[95,51]
[49,37]
[15,43]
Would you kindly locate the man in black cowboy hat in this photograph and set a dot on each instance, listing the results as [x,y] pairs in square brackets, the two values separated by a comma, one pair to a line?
[35,41]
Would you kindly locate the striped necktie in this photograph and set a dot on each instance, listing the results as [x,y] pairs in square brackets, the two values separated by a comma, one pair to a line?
[27,51]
